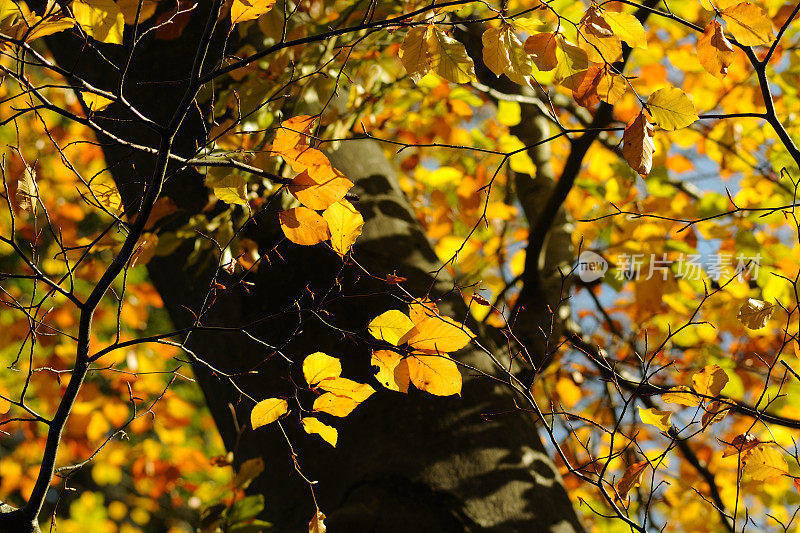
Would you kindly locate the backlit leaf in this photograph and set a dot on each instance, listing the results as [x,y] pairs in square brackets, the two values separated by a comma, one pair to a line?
[268,411]
[317,524]
[414,53]
[345,223]
[638,145]
[335,405]
[293,134]
[741,444]
[100,19]
[503,53]
[231,189]
[27,192]
[710,381]
[328,433]
[5,405]
[347,388]
[764,463]
[390,326]
[714,412]
[749,24]
[754,314]
[626,27]
[248,471]
[449,59]
[542,48]
[319,190]
[243,10]
[392,370]
[434,374]
[303,226]
[671,108]
[654,417]
[631,478]
[437,334]
[682,396]
[714,50]
[319,366]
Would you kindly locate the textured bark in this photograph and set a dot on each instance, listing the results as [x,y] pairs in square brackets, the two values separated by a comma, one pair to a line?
[402,462]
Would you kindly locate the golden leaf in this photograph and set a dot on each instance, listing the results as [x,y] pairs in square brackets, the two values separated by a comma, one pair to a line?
[345,224]
[631,478]
[710,381]
[754,314]
[390,326]
[435,374]
[671,108]
[328,433]
[392,370]
[319,366]
[268,411]
[764,464]
[714,50]
[749,24]
[303,226]
[243,10]
[654,417]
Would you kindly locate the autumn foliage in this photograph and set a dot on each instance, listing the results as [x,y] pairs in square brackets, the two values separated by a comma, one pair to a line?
[611,185]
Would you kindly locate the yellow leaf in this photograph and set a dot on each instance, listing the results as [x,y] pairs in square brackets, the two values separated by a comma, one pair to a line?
[749,24]
[638,145]
[328,433]
[626,27]
[268,411]
[710,381]
[631,478]
[231,189]
[319,190]
[571,59]
[319,366]
[714,50]
[754,314]
[671,108]
[568,391]
[764,464]
[392,370]
[611,86]
[101,19]
[345,223]
[434,374]
[414,53]
[503,53]
[96,102]
[335,405]
[5,405]
[542,48]
[681,395]
[390,326]
[347,388]
[437,334]
[449,59]
[243,10]
[654,417]
[42,28]
[303,226]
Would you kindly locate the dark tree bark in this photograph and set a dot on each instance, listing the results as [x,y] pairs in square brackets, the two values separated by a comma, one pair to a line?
[402,462]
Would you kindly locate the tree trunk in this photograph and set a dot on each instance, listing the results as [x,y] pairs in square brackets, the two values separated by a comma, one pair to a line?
[403,461]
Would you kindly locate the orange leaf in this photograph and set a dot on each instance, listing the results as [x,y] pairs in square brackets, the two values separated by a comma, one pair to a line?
[293,134]
[710,381]
[303,226]
[714,50]
[682,395]
[542,49]
[5,405]
[741,444]
[319,190]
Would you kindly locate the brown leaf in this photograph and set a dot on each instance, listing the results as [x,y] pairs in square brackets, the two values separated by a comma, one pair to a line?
[714,413]
[741,444]
[317,524]
[631,478]
[542,49]
[638,145]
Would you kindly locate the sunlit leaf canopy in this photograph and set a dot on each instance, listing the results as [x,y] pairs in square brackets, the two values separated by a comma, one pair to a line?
[688,188]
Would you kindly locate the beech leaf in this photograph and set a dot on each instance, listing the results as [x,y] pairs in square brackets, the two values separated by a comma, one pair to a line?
[754,314]
[638,145]
[268,411]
